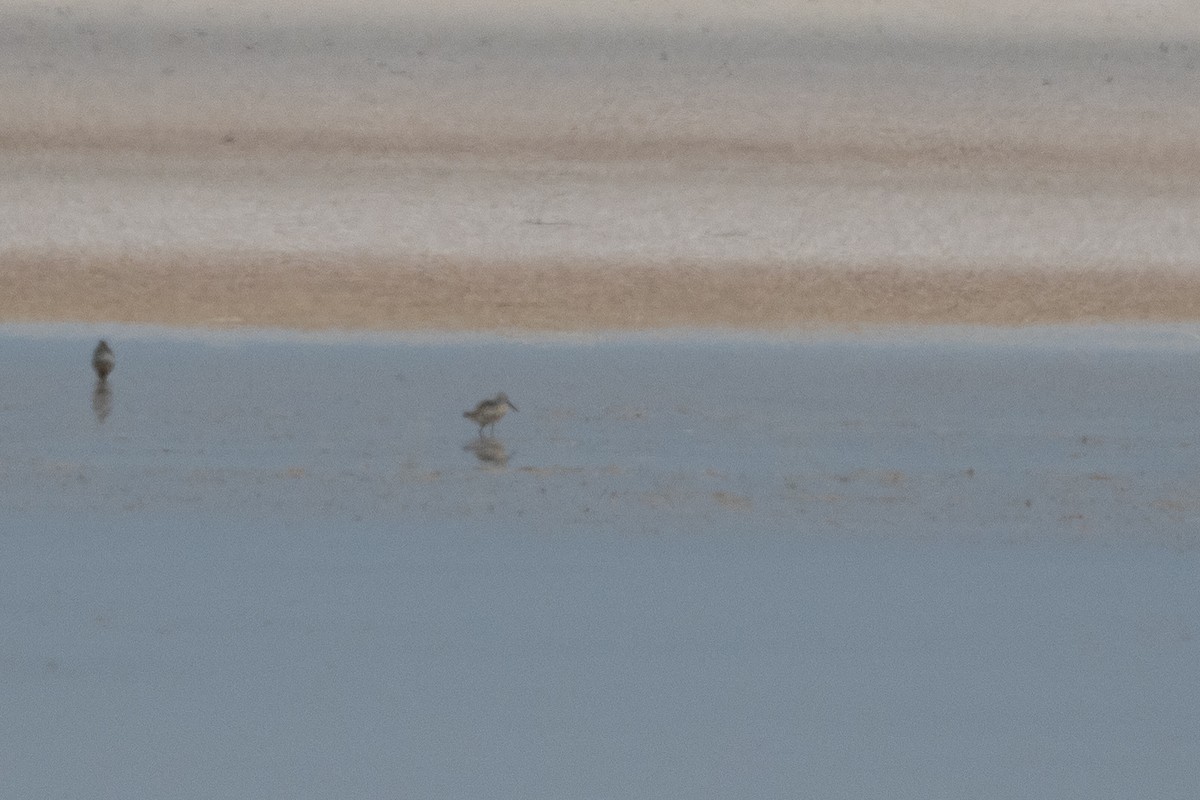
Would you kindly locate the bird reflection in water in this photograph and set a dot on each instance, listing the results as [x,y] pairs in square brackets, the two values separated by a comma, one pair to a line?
[488,450]
[102,400]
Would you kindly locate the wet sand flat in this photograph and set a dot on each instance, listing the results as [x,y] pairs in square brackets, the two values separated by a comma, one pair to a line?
[315,293]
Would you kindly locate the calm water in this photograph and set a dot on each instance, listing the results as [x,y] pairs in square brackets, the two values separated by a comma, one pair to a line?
[944,564]
[1088,432]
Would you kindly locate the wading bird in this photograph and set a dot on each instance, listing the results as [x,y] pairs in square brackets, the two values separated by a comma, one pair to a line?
[489,412]
[103,360]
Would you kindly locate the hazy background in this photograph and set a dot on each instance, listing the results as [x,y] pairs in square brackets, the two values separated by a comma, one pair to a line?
[899,135]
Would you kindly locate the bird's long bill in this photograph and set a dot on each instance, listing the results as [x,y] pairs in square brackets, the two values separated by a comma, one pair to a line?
[510,405]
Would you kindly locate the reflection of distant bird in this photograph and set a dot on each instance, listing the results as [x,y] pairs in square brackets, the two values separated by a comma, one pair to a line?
[102,401]
[489,412]
[103,360]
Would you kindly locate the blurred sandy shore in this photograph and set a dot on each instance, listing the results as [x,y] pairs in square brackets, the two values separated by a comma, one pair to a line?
[642,165]
[372,294]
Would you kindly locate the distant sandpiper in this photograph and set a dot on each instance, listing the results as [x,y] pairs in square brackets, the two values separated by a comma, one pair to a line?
[103,360]
[489,412]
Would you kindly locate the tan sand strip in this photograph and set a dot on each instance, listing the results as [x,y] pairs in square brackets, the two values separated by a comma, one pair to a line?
[373,293]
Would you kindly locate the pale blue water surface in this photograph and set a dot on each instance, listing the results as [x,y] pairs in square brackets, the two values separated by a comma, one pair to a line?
[892,564]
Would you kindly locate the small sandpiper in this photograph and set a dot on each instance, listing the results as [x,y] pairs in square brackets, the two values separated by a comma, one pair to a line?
[103,360]
[489,412]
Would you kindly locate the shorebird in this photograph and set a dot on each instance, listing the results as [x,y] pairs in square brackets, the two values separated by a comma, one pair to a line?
[103,360]
[489,412]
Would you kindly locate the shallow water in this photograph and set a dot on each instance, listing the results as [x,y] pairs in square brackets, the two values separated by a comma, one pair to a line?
[950,564]
[1086,433]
